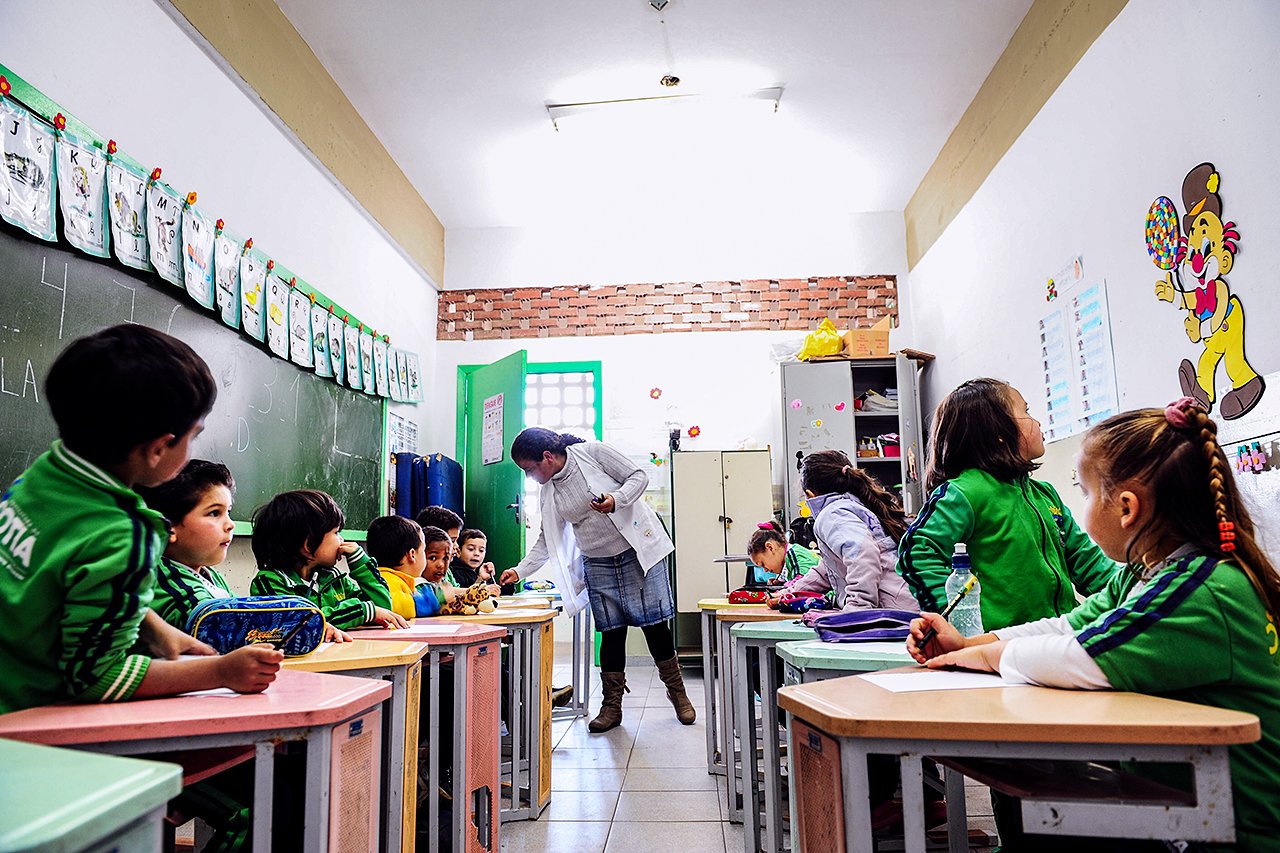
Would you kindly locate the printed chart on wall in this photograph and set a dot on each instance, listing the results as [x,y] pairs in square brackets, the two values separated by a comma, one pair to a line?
[491,430]
[1252,445]
[1079,366]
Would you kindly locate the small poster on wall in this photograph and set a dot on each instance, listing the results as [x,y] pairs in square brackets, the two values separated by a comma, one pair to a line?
[164,226]
[83,194]
[253,276]
[336,362]
[277,316]
[28,179]
[226,274]
[1078,363]
[300,350]
[127,207]
[366,362]
[197,251]
[491,438]
[380,367]
[351,354]
[320,341]
[414,390]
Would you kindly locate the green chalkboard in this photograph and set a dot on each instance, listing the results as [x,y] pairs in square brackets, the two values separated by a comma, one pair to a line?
[275,425]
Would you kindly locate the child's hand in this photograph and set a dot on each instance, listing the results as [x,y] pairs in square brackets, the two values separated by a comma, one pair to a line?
[494,590]
[250,669]
[771,600]
[346,549]
[947,638]
[983,658]
[166,641]
[486,571]
[509,577]
[335,635]
[388,619]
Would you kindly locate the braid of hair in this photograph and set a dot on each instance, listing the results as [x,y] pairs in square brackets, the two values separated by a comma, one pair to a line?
[1217,465]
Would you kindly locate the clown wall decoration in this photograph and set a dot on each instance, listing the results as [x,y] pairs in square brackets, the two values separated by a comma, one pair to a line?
[1195,264]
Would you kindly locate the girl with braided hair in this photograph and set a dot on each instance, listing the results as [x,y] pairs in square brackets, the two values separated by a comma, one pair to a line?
[1194,615]
[857,524]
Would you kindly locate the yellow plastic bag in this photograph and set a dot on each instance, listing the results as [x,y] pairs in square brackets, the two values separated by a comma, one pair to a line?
[824,340]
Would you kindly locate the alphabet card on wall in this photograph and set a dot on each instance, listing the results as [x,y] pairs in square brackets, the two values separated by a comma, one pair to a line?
[28,179]
[164,222]
[127,207]
[337,364]
[380,367]
[277,314]
[414,393]
[254,268]
[320,339]
[366,361]
[1195,264]
[197,253]
[351,354]
[82,194]
[227,249]
[300,349]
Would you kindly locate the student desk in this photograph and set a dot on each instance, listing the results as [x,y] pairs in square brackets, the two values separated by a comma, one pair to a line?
[710,678]
[61,799]
[753,643]
[528,687]
[840,721]
[583,652]
[475,720]
[338,717]
[400,664]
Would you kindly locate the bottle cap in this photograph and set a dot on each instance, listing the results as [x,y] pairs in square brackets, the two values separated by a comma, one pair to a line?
[961,548]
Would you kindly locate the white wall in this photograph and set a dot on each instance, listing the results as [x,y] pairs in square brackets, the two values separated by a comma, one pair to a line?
[131,73]
[1166,86]
[725,382]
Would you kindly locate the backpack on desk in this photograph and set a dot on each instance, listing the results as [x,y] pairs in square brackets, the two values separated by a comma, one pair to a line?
[229,623]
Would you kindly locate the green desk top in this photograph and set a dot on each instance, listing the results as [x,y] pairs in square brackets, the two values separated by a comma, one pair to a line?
[790,629]
[64,799]
[854,657]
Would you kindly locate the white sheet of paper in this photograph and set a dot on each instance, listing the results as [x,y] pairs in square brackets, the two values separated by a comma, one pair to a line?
[213,691]
[932,679]
[429,630]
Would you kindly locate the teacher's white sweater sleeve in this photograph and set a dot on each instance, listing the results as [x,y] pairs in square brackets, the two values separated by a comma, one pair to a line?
[631,478]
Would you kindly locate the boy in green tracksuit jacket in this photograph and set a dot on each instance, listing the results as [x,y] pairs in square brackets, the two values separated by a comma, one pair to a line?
[297,545]
[78,547]
[1027,551]
[197,504]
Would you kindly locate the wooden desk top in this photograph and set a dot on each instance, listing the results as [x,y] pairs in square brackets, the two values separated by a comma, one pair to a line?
[294,699]
[854,707]
[501,616]
[358,654]
[524,600]
[752,613]
[778,631]
[723,604]
[452,633]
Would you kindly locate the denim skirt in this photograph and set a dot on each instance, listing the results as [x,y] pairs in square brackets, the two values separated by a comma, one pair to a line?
[622,594]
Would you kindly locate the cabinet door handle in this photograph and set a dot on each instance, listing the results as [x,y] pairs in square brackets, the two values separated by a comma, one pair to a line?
[725,520]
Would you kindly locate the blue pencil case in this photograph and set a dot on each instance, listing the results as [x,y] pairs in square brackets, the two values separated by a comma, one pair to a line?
[862,626]
[229,623]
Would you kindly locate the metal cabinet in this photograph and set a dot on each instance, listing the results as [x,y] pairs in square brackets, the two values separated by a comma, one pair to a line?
[717,498]
[818,413]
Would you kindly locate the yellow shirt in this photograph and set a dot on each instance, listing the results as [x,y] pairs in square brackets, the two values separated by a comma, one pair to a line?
[403,600]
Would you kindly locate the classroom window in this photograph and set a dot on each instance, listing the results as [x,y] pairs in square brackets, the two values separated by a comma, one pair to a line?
[562,402]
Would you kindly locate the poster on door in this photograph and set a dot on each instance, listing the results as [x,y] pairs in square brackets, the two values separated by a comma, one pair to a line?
[491,431]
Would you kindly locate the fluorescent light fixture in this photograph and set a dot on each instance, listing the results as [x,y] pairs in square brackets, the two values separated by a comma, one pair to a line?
[759,100]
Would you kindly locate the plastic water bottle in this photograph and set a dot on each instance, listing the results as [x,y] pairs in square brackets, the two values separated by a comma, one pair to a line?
[967,615]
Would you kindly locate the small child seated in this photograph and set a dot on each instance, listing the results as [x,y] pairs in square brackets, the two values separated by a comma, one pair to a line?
[403,553]
[469,566]
[459,601]
[451,523]
[197,504]
[297,544]
[769,549]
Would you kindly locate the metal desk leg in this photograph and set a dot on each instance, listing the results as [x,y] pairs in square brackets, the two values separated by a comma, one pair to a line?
[264,758]
[857,797]
[515,725]
[745,706]
[797,841]
[315,826]
[772,842]
[957,816]
[582,699]
[715,764]
[458,759]
[534,691]
[433,751]
[393,803]
[912,803]
[734,757]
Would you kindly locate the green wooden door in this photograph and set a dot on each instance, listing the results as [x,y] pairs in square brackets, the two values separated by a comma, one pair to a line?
[493,483]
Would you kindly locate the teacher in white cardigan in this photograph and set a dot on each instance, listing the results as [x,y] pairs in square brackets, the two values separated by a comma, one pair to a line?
[604,545]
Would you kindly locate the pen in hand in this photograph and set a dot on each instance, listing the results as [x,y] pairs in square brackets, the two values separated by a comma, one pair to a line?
[933,632]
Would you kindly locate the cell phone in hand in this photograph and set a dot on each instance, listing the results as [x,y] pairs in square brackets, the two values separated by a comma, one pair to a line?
[599,499]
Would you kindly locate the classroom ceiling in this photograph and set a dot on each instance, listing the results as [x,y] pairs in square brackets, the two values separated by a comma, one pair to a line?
[457,93]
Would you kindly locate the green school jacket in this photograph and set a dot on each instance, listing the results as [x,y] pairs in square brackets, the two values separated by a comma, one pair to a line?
[346,599]
[78,551]
[180,589]
[1027,550]
[1199,632]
